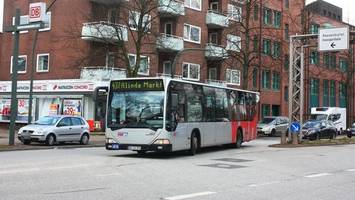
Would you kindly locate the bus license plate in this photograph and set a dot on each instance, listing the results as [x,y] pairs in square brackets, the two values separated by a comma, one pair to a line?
[115,146]
[134,148]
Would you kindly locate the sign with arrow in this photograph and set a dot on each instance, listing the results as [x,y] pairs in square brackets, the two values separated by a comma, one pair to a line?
[333,39]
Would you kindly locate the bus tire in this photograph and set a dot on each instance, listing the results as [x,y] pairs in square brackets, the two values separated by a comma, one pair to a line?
[193,144]
[239,139]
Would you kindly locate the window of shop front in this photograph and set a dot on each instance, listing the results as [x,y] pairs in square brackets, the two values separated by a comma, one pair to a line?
[22,110]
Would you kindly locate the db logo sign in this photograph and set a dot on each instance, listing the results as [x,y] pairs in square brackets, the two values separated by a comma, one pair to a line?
[37,12]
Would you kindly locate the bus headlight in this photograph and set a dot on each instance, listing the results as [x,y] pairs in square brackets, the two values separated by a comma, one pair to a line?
[110,141]
[162,141]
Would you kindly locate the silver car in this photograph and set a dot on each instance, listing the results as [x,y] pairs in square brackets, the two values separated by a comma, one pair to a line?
[273,125]
[52,129]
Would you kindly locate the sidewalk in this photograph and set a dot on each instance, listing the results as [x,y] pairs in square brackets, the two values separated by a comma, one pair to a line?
[97,139]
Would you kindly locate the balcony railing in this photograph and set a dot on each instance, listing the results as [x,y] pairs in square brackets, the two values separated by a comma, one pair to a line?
[109,2]
[104,32]
[171,8]
[213,51]
[215,19]
[102,73]
[170,43]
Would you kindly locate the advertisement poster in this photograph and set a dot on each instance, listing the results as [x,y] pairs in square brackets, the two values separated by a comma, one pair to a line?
[22,110]
[53,109]
[72,107]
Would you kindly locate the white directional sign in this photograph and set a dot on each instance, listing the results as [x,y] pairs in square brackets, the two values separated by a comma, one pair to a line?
[333,39]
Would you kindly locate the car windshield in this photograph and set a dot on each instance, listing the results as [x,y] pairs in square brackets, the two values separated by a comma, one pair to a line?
[312,124]
[136,109]
[47,120]
[267,120]
[319,117]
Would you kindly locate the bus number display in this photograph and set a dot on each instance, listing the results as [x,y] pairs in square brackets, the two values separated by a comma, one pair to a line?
[137,85]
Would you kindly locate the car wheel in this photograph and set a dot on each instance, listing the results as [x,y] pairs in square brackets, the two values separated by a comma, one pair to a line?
[273,133]
[84,140]
[333,136]
[50,140]
[26,142]
[193,144]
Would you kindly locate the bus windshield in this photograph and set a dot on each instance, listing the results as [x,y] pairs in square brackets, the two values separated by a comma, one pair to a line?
[135,109]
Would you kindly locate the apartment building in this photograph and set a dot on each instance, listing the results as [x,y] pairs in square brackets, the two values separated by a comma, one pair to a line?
[198,40]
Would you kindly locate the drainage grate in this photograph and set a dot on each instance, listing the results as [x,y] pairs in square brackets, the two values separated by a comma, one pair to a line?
[223,166]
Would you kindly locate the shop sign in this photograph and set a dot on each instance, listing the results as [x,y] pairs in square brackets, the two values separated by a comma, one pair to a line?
[71,87]
[50,87]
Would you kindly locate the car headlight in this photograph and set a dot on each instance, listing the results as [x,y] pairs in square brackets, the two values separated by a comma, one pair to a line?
[38,132]
[311,132]
[162,141]
[20,131]
[266,128]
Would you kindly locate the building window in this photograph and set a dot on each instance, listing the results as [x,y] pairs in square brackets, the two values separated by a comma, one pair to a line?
[144,64]
[326,60]
[286,93]
[276,81]
[314,92]
[255,78]
[233,76]
[287,31]
[332,98]
[267,16]
[287,62]
[287,4]
[277,19]
[191,71]
[342,95]
[256,12]
[265,110]
[314,58]
[255,43]
[22,64]
[265,79]
[333,60]
[42,62]
[167,67]
[276,50]
[234,12]
[233,43]
[343,64]
[212,73]
[194,4]
[325,93]
[134,21]
[192,33]
[266,46]
[314,29]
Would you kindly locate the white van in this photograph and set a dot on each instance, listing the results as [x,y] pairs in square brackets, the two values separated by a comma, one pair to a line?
[334,114]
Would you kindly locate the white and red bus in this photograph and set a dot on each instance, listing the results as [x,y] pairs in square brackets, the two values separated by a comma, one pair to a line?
[165,114]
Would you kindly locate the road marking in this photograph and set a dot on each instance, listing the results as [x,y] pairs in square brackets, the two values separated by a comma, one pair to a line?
[188,196]
[263,184]
[350,170]
[317,175]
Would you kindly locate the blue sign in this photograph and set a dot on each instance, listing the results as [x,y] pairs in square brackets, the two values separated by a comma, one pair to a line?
[295,127]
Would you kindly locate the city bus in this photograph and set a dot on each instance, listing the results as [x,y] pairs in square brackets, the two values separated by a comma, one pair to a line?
[168,114]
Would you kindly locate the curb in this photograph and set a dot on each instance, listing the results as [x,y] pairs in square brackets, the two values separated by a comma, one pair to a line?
[27,148]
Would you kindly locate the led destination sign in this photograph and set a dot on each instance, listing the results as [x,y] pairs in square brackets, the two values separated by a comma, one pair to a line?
[137,85]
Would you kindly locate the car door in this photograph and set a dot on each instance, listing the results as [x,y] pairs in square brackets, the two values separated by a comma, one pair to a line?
[324,130]
[64,130]
[77,128]
[278,125]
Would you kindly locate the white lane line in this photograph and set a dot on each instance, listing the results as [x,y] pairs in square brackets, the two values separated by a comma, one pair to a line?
[263,184]
[350,170]
[317,175]
[188,196]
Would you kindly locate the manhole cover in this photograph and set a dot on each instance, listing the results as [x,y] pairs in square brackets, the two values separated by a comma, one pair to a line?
[223,166]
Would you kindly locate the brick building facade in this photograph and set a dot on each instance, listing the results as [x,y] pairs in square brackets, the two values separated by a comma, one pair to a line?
[79,44]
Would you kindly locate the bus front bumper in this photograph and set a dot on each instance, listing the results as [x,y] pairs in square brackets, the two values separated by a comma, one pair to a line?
[140,147]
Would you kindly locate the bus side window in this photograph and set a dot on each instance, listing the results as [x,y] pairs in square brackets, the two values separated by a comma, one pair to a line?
[233,102]
[209,104]
[222,113]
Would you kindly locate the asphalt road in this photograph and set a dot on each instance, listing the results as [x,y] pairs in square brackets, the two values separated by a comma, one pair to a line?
[252,172]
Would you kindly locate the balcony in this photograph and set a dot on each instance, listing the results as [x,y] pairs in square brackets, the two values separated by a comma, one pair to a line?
[216,20]
[101,73]
[170,8]
[170,43]
[109,2]
[215,52]
[104,32]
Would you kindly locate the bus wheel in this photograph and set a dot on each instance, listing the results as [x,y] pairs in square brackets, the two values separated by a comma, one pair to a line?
[193,144]
[239,139]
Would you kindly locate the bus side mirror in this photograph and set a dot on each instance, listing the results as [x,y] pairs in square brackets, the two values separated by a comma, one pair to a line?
[174,101]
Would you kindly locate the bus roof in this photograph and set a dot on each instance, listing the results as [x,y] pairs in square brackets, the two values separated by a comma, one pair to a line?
[169,79]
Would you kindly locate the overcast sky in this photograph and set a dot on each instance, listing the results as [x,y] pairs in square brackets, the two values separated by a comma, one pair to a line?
[348,7]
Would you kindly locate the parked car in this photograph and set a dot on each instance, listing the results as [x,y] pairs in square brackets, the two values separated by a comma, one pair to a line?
[351,131]
[52,129]
[273,125]
[315,129]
